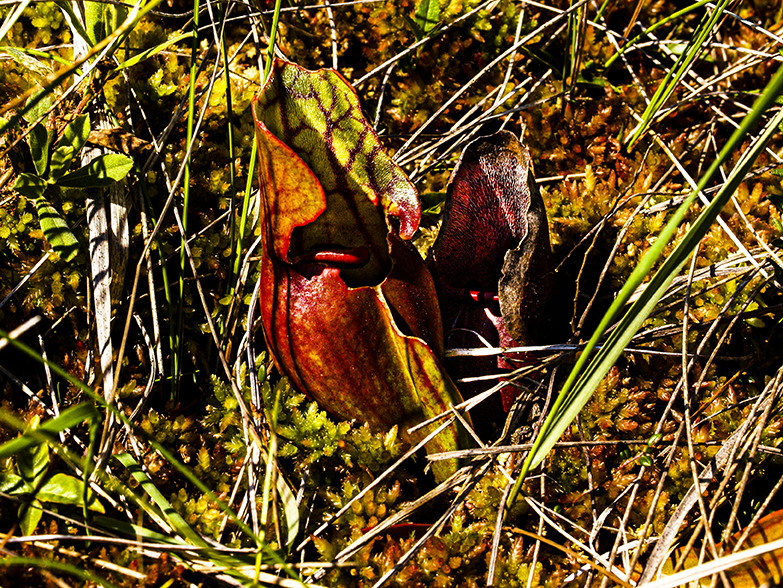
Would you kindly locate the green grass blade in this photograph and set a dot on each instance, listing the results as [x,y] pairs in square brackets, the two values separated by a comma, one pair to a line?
[194,53]
[12,17]
[157,497]
[48,430]
[678,70]
[582,381]
[52,565]
[664,21]
[152,51]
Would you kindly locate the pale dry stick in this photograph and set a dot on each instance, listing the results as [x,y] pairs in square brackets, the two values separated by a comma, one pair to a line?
[145,396]
[509,113]
[576,328]
[541,523]
[539,30]
[255,389]
[718,463]
[749,465]
[448,484]
[591,487]
[50,384]
[332,33]
[633,488]
[26,277]
[550,516]
[145,234]
[244,273]
[752,25]
[687,402]
[254,463]
[416,45]
[457,479]
[637,83]
[521,448]
[496,534]
[704,199]
[669,406]
[144,221]
[26,389]
[752,231]
[435,527]
[175,252]
[512,59]
[733,463]
[381,94]
[234,491]
[217,36]
[600,523]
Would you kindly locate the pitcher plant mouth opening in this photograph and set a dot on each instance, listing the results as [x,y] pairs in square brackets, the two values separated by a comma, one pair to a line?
[354,257]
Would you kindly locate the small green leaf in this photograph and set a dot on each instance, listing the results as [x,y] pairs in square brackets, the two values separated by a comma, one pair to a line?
[56,230]
[427,15]
[14,485]
[30,516]
[32,66]
[39,147]
[65,489]
[76,133]
[61,161]
[41,107]
[30,186]
[153,51]
[32,463]
[102,171]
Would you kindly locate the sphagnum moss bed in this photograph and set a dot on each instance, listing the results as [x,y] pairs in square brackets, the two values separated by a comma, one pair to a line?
[221,472]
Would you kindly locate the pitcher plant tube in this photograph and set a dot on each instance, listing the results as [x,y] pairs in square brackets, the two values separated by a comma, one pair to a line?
[349,310]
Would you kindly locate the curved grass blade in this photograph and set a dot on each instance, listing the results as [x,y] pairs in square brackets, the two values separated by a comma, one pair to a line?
[684,62]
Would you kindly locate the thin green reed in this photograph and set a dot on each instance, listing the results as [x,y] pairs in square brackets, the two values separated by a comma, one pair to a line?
[177,353]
